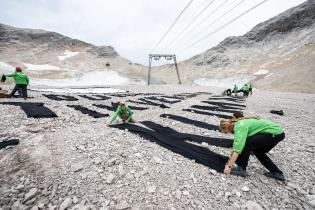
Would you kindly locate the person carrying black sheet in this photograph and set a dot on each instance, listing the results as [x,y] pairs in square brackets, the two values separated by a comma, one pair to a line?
[252,134]
[21,82]
[124,113]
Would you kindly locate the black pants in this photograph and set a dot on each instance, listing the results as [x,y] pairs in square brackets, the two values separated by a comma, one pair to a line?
[260,144]
[22,87]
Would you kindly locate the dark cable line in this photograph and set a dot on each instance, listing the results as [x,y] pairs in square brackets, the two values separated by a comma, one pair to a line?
[173,24]
[189,24]
[203,20]
[223,26]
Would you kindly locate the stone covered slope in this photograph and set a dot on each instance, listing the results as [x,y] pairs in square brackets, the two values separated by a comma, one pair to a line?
[75,161]
[19,46]
[283,45]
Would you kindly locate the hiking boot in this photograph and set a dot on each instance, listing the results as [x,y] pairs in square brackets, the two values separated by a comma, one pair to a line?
[238,171]
[275,175]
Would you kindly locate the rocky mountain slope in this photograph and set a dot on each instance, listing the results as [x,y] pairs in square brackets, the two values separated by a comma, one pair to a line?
[283,47]
[62,57]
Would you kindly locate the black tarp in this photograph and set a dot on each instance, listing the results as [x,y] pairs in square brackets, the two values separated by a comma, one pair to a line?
[60,97]
[215,108]
[34,110]
[208,113]
[163,106]
[7,143]
[224,104]
[95,97]
[175,143]
[163,100]
[188,121]
[114,106]
[87,111]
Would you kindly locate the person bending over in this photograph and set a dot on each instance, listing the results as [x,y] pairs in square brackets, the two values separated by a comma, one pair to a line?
[21,82]
[124,113]
[252,134]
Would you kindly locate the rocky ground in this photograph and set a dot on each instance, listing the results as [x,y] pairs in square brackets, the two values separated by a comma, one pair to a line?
[75,162]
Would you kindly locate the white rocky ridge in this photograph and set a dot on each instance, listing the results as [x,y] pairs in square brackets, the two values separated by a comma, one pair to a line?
[67,54]
[36,67]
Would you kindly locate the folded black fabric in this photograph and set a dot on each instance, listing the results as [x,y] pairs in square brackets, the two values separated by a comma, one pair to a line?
[10,142]
[188,121]
[34,110]
[208,113]
[60,97]
[191,151]
[114,106]
[163,106]
[224,104]
[163,100]
[95,97]
[87,111]
[215,108]
[278,112]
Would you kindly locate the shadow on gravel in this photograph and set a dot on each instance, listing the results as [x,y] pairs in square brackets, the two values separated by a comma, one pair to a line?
[178,143]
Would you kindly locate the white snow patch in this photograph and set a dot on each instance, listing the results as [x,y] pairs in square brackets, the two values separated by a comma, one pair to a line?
[79,90]
[6,67]
[261,72]
[226,82]
[45,67]
[67,54]
[93,78]
[268,75]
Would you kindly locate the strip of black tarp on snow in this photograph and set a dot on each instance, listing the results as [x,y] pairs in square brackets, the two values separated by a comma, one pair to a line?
[60,97]
[34,110]
[215,108]
[188,121]
[224,104]
[87,111]
[208,113]
[114,106]
[191,151]
[10,142]
[95,97]
[163,100]
[163,106]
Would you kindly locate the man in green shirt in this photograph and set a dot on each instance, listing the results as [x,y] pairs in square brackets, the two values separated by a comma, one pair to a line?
[21,81]
[124,112]
[235,89]
[252,134]
[245,90]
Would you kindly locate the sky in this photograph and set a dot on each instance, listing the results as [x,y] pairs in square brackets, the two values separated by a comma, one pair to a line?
[134,27]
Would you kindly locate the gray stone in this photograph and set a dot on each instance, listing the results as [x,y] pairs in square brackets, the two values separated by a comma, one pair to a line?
[110,179]
[251,205]
[65,204]
[122,205]
[30,195]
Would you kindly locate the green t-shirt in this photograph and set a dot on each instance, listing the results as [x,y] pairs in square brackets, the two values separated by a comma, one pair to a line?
[119,111]
[19,77]
[245,128]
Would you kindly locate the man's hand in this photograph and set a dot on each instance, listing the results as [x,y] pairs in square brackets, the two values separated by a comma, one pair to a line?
[125,121]
[227,170]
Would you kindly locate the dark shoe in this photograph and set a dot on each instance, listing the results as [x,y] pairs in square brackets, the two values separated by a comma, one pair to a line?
[275,175]
[238,171]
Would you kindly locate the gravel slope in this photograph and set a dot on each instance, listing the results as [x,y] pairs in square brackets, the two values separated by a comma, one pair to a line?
[75,162]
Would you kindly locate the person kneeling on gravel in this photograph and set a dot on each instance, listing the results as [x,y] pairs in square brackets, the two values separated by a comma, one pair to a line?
[252,134]
[21,82]
[124,113]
